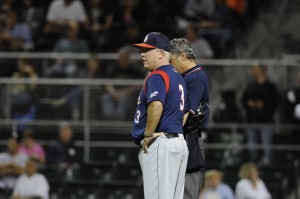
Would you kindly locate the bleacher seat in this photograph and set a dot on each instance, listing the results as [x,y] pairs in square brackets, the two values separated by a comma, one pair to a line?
[138,192]
[276,180]
[213,158]
[129,158]
[2,149]
[114,192]
[74,192]
[230,176]
[84,176]
[108,134]
[5,133]
[5,193]
[53,174]
[105,156]
[122,176]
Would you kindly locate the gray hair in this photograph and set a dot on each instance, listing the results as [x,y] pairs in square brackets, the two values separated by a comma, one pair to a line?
[179,46]
[168,55]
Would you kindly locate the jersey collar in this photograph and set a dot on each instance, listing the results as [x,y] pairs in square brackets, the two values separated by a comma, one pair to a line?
[163,66]
[191,70]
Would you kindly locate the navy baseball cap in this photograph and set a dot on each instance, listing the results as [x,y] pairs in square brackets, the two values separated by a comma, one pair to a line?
[155,40]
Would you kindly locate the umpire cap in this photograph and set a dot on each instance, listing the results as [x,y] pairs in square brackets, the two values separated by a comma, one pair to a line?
[155,40]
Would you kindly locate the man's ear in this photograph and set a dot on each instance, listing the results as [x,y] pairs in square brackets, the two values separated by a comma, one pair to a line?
[161,54]
[182,56]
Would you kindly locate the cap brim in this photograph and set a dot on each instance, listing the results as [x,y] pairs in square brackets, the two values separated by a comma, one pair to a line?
[143,45]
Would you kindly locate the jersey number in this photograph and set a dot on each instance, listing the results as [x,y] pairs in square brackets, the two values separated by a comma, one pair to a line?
[137,118]
[181,97]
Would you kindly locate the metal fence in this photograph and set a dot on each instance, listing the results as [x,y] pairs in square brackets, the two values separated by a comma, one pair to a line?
[87,112]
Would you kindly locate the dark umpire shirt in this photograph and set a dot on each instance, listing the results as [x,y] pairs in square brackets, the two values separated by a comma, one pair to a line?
[198,91]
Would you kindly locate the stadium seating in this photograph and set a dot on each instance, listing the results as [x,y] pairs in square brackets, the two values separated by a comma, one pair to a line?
[122,176]
[54,176]
[85,176]
[114,192]
[75,192]
[105,156]
[129,158]
[213,158]
[5,193]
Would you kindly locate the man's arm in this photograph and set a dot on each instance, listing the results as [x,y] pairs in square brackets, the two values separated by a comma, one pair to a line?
[185,118]
[155,93]
[3,168]
[154,113]
[10,168]
[15,169]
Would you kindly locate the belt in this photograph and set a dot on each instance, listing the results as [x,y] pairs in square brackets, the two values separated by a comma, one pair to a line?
[171,135]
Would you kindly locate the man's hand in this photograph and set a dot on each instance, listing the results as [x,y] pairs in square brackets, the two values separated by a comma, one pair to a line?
[251,103]
[147,141]
[260,104]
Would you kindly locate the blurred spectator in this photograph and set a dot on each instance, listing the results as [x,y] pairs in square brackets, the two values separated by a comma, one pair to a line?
[6,5]
[101,15]
[33,16]
[31,185]
[115,102]
[65,153]
[250,185]
[292,103]
[132,34]
[9,5]
[126,11]
[74,96]
[200,46]
[238,6]
[129,10]
[68,68]
[214,188]
[72,43]
[15,35]
[12,164]
[62,68]
[159,18]
[31,148]
[20,95]
[223,17]
[260,99]
[196,10]
[219,29]
[61,12]
[227,111]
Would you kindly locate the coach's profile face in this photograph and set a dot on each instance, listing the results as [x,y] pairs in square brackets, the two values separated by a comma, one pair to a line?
[176,61]
[151,57]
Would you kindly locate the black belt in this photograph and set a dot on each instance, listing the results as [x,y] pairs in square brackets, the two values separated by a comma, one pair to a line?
[171,135]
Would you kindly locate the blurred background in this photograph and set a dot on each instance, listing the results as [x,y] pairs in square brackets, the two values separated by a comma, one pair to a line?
[69,81]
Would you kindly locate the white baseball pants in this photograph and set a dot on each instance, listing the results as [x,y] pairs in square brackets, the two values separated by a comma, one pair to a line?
[164,168]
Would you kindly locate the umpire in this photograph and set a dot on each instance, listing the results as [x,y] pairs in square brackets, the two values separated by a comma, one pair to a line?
[183,59]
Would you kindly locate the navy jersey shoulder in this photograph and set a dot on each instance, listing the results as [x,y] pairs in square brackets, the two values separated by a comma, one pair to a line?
[171,92]
[197,86]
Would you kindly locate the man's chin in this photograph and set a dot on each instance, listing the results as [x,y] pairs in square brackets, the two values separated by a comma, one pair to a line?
[146,66]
